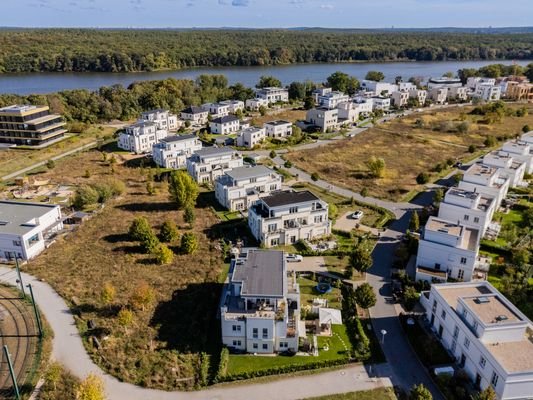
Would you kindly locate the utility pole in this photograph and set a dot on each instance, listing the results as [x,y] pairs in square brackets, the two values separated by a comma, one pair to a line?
[12,372]
[19,276]
[37,316]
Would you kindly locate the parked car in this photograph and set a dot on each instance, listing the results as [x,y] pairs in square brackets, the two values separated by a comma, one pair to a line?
[357,215]
[294,258]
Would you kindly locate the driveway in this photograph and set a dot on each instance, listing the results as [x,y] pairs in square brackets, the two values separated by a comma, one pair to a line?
[347,223]
[308,264]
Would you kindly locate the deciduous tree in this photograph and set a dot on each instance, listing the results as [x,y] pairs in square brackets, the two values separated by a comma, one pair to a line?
[182,188]
[365,296]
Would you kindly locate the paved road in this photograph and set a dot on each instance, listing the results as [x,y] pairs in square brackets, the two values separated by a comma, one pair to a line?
[68,350]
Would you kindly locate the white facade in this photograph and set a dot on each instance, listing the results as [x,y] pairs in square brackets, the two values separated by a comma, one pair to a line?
[324,118]
[420,95]
[197,115]
[250,137]
[25,228]
[320,92]
[256,104]
[140,137]
[349,111]
[446,250]
[378,88]
[406,86]
[471,209]
[162,118]
[458,93]
[278,129]
[438,95]
[172,151]
[486,180]
[487,92]
[208,164]
[380,103]
[332,99]
[473,81]
[234,105]
[260,306]
[285,217]
[511,168]
[364,105]
[487,335]
[237,189]
[216,110]
[400,99]
[520,151]
[273,94]
[225,125]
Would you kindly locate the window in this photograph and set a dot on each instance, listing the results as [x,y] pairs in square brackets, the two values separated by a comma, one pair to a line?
[16,243]
[456,332]
[255,346]
[283,345]
[443,314]
[475,327]
[318,219]
[274,242]
[265,333]
[463,260]
[272,227]
[237,343]
[467,343]
[476,220]
[466,217]
[265,346]
[452,348]
[293,210]
[465,314]
[494,380]
[236,328]
[255,333]
[461,274]
[482,362]
[434,306]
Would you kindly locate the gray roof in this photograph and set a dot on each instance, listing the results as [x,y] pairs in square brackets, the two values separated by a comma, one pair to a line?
[225,119]
[193,110]
[249,172]
[214,151]
[177,138]
[287,197]
[142,123]
[278,122]
[261,273]
[15,216]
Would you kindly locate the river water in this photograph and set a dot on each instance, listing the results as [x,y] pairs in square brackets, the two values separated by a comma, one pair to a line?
[56,81]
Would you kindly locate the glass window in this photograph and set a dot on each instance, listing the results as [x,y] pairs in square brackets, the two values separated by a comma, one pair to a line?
[494,380]
[265,333]
[467,343]
[265,346]
[255,333]
[482,362]
[443,314]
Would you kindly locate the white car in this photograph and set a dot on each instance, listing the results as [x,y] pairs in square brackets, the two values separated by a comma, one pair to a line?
[357,215]
[294,258]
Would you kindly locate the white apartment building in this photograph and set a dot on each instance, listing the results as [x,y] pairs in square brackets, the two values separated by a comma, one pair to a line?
[320,92]
[473,209]
[25,228]
[406,86]
[172,151]
[349,111]
[234,105]
[239,188]
[438,95]
[225,125]
[256,104]
[216,110]
[273,94]
[473,81]
[420,95]
[487,92]
[488,336]
[443,82]
[380,103]
[250,137]
[162,118]
[209,163]
[400,98]
[323,118]
[197,115]
[485,180]
[446,249]
[285,217]
[520,151]
[527,137]
[364,105]
[511,167]
[378,88]
[332,99]
[278,129]
[458,93]
[140,137]
[260,305]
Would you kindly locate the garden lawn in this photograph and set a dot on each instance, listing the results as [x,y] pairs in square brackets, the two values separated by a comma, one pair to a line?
[376,394]
[308,292]
[241,364]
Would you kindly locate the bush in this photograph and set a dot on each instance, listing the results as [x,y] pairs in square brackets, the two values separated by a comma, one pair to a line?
[422,178]
[472,148]
[222,365]
[376,166]
[189,243]
[189,215]
[287,164]
[410,298]
[272,154]
[85,196]
[163,254]
[203,370]
[314,176]
[140,229]
[50,164]
[490,141]
[169,232]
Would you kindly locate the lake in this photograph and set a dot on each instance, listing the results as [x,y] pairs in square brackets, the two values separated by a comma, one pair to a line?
[56,81]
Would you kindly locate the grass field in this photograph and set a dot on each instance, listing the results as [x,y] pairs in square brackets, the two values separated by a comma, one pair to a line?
[283,114]
[308,293]
[406,149]
[376,394]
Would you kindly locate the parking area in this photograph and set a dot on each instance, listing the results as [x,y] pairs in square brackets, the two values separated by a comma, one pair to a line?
[308,264]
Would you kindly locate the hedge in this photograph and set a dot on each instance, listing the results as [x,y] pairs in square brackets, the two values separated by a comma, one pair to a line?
[222,365]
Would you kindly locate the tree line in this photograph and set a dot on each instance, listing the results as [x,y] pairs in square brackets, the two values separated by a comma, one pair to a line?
[91,50]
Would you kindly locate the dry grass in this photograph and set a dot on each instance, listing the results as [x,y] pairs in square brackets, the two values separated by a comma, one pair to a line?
[407,150]
[284,114]
[161,348]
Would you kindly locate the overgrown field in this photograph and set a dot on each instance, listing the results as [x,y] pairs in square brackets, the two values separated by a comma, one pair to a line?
[420,142]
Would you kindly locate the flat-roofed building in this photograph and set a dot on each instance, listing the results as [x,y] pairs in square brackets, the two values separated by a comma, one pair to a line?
[520,151]
[438,95]
[458,93]
[211,162]
[323,118]
[256,104]
[250,137]
[487,92]
[173,151]
[489,338]
[278,129]
[30,125]
[273,94]
[443,82]
[511,167]
[217,110]
[400,98]
[331,99]
[380,103]
[140,137]
[233,105]
[519,91]
[237,189]
[485,180]
[25,228]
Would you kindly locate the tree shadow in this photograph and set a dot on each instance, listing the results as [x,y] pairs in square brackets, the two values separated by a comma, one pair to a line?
[207,200]
[233,231]
[148,207]
[117,238]
[187,322]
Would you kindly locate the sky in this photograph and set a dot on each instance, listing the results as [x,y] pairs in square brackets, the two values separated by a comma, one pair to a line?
[267,13]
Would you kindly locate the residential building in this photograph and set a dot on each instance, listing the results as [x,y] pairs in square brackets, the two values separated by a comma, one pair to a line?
[486,180]
[256,104]
[443,82]
[446,249]
[197,115]
[234,105]
[364,105]
[323,118]
[209,163]
[225,125]
[332,99]
[260,305]
[217,110]
[438,95]
[378,88]
[349,111]
[285,217]
[140,137]
[473,81]
[489,338]
[273,94]
[30,125]
[519,91]
[380,103]
[250,137]
[527,138]
[458,93]
[406,86]
[278,129]
[472,209]
[172,151]
[420,95]
[487,92]
[239,188]
[320,92]
[26,228]
[162,118]
[400,98]
[511,167]
[520,151]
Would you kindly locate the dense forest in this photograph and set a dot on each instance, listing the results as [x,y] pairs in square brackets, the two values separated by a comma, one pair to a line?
[39,50]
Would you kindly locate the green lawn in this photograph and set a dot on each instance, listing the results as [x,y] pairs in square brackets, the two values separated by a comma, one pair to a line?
[376,394]
[308,293]
[239,364]
[229,215]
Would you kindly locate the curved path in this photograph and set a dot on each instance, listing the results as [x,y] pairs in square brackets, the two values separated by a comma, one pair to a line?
[68,350]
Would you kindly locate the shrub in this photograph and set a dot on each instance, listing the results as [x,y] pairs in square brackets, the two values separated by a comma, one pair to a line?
[314,176]
[472,148]
[463,127]
[222,365]
[376,166]
[169,232]
[422,178]
[526,128]
[50,164]
[189,215]
[150,188]
[365,296]
[125,317]
[85,196]
[203,370]
[490,141]
[362,348]
[142,296]
[420,392]
[287,164]
[139,229]
[189,243]
[272,154]
[163,254]
[410,298]
[91,388]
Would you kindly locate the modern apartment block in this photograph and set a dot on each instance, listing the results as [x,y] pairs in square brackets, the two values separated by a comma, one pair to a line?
[444,82]
[487,92]
[173,151]
[278,129]
[30,125]
[233,105]
[400,98]
[323,118]
[237,189]
[285,217]
[520,151]
[273,94]
[260,305]
[486,180]
[511,167]
[331,99]
[490,339]
[25,228]
[162,118]
[217,110]
[141,137]
[209,163]
[438,95]
[250,137]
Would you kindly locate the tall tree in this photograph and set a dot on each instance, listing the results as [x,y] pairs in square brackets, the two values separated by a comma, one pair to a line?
[375,76]
[414,222]
[420,392]
[343,82]
[183,189]
[361,257]
[365,296]
[268,81]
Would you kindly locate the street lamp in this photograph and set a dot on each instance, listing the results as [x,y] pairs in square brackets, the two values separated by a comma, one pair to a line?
[383,333]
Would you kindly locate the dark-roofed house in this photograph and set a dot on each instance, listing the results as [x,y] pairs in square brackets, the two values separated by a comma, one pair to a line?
[260,306]
[172,152]
[211,162]
[239,188]
[285,217]
[225,125]
[197,115]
